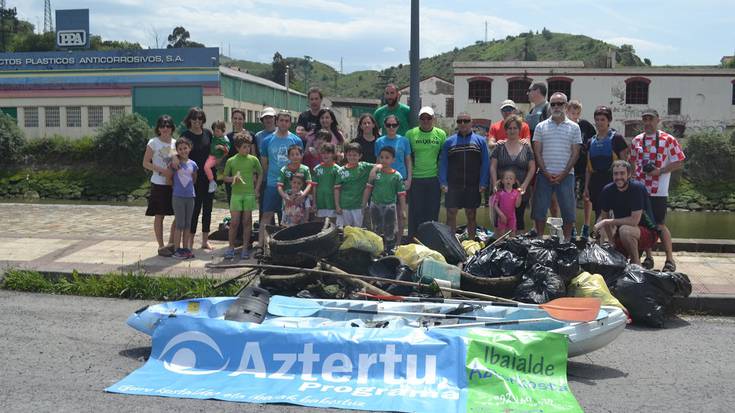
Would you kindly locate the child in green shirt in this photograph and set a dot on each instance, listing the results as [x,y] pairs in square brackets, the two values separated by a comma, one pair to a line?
[386,188]
[324,179]
[348,190]
[218,149]
[294,167]
[240,171]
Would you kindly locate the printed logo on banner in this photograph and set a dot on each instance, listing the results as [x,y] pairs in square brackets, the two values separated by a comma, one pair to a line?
[71,38]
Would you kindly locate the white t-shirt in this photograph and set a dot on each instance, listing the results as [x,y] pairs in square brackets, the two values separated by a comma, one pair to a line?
[162,154]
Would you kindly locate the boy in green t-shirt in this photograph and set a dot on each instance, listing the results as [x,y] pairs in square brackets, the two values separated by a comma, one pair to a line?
[348,190]
[294,167]
[325,176]
[240,171]
[218,149]
[386,188]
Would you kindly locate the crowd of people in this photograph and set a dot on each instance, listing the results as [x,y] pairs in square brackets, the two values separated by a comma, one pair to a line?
[548,160]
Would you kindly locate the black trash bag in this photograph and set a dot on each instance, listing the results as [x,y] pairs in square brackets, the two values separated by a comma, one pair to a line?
[540,255]
[567,261]
[540,285]
[648,293]
[603,260]
[390,267]
[495,262]
[439,237]
[517,245]
[351,260]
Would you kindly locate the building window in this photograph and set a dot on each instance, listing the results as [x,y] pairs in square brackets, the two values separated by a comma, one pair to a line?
[480,90]
[94,116]
[636,91]
[674,106]
[449,111]
[633,128]
[30,117]
[116,111]
[518,90]
[73,117]
[563,85]
[53,118]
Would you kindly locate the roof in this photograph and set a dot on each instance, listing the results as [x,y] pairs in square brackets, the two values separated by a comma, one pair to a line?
[346,101]
[406,88]
[226,71]
[520,64]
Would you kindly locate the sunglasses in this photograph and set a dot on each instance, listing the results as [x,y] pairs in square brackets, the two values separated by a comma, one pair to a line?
[199,118]
[167,125]
[391,125]
[557,103]
[461,121]
[426,118]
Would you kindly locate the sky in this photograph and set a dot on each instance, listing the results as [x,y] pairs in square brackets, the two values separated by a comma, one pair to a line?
[375,34]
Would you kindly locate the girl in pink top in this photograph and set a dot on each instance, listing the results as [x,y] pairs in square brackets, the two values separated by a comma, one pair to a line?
[507,199]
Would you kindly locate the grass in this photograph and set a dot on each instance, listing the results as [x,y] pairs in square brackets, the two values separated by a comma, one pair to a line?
[134,286]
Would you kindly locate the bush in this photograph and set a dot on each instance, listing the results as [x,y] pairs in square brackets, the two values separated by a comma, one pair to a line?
[710,158]
[11,140]
[60,150]
[122,140]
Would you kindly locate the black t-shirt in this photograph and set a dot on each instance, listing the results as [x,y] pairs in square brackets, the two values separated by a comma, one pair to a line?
[309,121]
[200,151]
[623,203]
[588,131]
[368,149]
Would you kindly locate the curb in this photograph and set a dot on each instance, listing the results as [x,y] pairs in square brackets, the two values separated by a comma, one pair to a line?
[708,304]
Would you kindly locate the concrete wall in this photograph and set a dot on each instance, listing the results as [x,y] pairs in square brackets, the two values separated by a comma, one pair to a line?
[706,94]
[434,92]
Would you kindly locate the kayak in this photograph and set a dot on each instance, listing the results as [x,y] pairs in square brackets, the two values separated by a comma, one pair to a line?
[583,337]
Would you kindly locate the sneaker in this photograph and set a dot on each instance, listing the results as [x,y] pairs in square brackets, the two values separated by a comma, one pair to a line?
[585,232]
[181,254]
[165,252]
[647,263]
[189,253]
[230,254]
[212,186]
[669,266]
[245,254]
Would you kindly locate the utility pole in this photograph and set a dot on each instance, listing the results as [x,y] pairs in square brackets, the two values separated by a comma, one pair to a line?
[414,99]
[48,22]
[485,31]
[286,82]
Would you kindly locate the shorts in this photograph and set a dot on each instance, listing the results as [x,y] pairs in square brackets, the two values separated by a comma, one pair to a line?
[271,201]
[184,209]
[658,207]
[468,198]
[326,213]
[645,242]
[159,201]
[350,218]
[564,195]
[243,202]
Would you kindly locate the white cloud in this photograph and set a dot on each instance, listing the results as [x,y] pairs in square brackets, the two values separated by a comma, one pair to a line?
[388,49]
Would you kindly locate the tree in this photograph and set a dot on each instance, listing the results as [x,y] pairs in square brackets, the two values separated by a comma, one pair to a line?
[626,56]
[278,73]
[96,43]
[647,61]
[180,38]
[546,33]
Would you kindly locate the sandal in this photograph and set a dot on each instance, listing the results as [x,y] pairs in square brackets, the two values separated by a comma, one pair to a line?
[669,266]
[648,263]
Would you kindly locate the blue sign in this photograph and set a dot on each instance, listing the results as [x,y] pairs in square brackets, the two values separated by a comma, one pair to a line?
[111,59]
[72,28]
[405,369]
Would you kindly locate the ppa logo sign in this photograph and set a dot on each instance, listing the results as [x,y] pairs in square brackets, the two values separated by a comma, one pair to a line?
[71,38]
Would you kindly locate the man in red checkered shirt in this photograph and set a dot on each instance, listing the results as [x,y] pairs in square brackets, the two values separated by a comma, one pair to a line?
[655,154]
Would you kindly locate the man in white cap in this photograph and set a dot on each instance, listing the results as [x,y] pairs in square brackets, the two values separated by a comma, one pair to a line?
[424,198]
[268,119]
[497,131]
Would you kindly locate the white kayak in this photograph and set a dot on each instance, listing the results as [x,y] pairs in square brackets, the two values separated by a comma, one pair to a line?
[584,337]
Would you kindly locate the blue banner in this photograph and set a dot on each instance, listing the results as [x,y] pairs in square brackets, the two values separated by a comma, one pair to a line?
[404,369]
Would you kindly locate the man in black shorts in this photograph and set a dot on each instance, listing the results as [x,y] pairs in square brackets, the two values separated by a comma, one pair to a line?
[463,173]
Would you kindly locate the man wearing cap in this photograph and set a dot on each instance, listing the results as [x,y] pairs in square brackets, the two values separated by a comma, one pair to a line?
[556,143]
[393,107]
[425,196]
[654,155]
[497,131]
[540,110]
[309,119]
[268,119]
[464,169]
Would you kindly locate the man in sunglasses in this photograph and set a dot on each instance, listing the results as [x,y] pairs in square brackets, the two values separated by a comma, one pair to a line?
[556,144]
[464,169]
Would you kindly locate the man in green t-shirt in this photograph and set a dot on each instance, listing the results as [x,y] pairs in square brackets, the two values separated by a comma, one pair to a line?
[393,107]
[386,187]
[348,189]
[424,197]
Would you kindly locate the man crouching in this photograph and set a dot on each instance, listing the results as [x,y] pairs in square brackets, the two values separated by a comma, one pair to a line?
[631,209]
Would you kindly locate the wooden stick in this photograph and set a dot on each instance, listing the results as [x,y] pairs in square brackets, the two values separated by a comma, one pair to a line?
[363,277]
[367,286]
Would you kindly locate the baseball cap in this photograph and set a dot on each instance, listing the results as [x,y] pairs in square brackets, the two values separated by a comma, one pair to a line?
[268,111]
[508,103]
[427,110]
[649,112]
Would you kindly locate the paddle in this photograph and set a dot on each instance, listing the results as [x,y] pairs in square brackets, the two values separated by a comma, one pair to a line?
[299,307]
[565,308]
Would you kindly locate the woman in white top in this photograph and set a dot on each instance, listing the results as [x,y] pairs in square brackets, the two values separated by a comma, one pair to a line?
[158,154]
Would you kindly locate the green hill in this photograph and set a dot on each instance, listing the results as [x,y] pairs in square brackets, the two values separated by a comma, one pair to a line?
[544,46]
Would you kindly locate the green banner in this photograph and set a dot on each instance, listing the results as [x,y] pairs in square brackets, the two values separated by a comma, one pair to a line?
[518,371]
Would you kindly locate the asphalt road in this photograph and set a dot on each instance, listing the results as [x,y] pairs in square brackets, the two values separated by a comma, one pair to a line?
[60,352]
